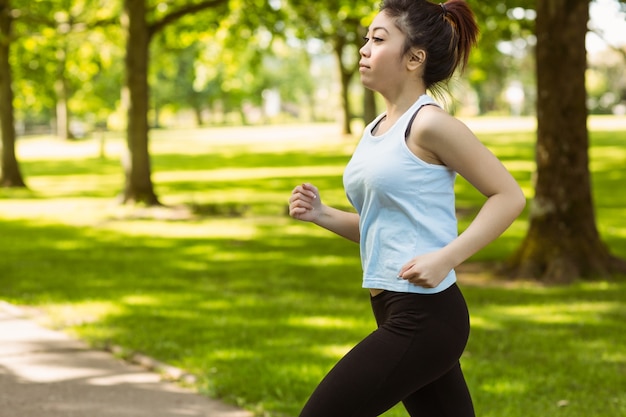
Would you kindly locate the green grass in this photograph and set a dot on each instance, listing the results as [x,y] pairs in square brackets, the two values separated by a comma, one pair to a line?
[259,306]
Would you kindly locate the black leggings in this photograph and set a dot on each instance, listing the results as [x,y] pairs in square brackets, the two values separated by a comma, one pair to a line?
[412,357]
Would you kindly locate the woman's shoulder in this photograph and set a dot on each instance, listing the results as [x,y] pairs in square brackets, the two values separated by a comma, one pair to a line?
[431,120]
[436,131]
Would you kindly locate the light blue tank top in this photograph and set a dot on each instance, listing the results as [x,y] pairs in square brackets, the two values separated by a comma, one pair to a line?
[406,205]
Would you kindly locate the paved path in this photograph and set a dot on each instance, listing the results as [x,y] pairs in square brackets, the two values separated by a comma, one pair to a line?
[44,373]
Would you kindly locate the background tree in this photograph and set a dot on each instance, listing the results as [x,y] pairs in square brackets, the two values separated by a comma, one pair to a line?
[252,56]
[562,242]
[67,65]
[172,76]
[34,60]
[236,60]
[340,24]
[503,25]
[96,72]
[11,175]
[141,24]
[606,84]
[80,49]
[63,22]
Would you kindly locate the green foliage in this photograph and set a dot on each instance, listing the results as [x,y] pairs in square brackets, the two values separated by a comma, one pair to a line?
[72,41]
[490,69]
[30,62]
[259,306]
[340,24]
[228,60]
[230,54]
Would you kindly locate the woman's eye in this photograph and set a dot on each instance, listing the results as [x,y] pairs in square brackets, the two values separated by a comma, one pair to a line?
[375,40]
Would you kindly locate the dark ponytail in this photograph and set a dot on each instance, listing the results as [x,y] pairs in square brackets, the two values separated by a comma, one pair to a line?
[462,19]
[446,31]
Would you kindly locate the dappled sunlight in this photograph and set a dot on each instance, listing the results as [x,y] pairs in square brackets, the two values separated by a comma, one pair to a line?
[484,323]
[253,312]
[528,342]
[78,313]
[606,154]
[199,265]
[217,304]
[76,185]
[505,387]
[273,137]
[224,284]
[529,192]
[299,229]
[52,148]
[332,351]
[490,124]
[72,211]
[232,354]
[323,322]
[606,123]
[618,234]
[576,313]
[66,245]
[141,299]
[237,174]
[615,357]
[321,261]
[520,166]
[223,228]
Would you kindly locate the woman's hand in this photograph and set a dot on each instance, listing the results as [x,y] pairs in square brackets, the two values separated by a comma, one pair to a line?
[427,270]
[305,203]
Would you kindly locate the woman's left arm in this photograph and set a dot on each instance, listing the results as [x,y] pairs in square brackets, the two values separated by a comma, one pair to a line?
[454,145]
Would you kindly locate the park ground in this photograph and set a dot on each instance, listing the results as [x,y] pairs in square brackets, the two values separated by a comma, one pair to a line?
[221,283]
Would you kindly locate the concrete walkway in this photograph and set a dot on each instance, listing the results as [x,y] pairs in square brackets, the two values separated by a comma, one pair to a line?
[45,373]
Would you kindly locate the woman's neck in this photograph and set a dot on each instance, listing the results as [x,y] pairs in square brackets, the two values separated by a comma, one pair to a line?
[399,105]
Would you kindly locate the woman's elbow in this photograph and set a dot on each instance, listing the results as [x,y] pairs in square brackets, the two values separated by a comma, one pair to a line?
[518,201]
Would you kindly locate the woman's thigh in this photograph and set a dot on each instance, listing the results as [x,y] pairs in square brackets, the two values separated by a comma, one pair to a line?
[412,348]
[447,396]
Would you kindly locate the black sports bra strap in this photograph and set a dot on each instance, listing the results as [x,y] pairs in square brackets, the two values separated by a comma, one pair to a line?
[408,128]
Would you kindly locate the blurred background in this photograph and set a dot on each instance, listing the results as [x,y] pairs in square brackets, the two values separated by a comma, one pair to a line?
[233,62]
[243,99]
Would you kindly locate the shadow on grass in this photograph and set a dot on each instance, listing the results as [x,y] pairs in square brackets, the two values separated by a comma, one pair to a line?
[225,309]
[237,159]
[536,349]
[280,309]
[260,319]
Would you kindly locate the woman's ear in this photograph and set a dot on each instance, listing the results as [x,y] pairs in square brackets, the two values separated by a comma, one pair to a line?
[417,57]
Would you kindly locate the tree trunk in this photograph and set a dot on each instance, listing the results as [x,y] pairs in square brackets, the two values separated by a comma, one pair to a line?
[345,102]
[346,76]
[10,176]
[138,185]
[562,242]
[60,89]
[197,110]
[62,111]
[369,106]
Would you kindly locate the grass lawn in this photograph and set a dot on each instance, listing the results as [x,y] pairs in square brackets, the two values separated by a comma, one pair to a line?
[257,306]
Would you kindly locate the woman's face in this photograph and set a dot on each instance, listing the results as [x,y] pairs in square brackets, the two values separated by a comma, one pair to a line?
[382,64]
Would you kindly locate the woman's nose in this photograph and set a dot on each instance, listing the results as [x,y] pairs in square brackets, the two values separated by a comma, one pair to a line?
[364,51]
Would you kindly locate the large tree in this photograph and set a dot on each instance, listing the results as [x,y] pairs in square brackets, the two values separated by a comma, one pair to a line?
[11,175]
[141,24]
[562,242]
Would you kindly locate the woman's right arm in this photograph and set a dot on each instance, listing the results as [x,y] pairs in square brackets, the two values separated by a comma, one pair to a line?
[305,204]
